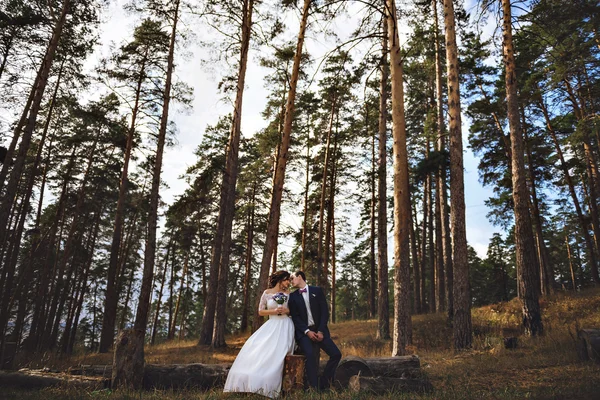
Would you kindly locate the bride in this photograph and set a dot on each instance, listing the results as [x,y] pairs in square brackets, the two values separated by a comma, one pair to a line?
[258,367]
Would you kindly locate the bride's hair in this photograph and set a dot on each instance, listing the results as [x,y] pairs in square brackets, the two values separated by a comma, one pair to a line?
[277,277]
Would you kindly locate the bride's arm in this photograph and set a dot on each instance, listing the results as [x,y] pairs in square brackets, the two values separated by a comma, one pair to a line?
[262,307]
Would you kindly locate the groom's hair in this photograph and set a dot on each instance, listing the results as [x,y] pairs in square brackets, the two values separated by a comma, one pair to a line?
[300,273]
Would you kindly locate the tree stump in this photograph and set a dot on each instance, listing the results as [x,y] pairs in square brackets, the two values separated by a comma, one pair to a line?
[381,385]
[128,362]
[588,346]
[347,368]
[293,373]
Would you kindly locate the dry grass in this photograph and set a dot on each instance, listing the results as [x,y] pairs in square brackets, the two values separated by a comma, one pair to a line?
[540,368]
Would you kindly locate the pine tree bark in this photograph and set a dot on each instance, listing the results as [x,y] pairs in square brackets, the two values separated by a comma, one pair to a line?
[402,318]
[39,89]
[383,311]
[229,183]
[525,247]
[275,208]
[442,222]
[462,334]
[107,334]
[141,316]
[372,228]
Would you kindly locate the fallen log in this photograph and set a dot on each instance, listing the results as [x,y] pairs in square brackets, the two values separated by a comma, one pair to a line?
[381,385]
[394,367]
[91,370]
[184,376]
[588,346]
[38,379]
[349,367]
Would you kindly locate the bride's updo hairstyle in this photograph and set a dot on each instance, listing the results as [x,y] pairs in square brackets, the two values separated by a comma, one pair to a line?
[277,277]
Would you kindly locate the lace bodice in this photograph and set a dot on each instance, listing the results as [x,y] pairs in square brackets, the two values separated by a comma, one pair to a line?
[268,303]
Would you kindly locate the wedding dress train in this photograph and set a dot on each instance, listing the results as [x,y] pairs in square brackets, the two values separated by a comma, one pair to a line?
[258,368]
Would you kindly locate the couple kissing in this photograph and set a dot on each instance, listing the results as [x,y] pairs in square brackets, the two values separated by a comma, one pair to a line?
[258,368]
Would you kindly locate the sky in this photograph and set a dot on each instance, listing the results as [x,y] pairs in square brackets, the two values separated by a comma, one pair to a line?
[208,107]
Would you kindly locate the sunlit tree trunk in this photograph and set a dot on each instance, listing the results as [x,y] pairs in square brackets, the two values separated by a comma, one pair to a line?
[525,247]
[383,311]
[402,319]
[442,222]
[461,294]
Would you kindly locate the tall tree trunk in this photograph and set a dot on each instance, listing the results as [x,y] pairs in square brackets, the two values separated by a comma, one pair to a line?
[462,334]
[160,292]
[15,175]
[416,270]
[402,319]
[571,264]
[525,247]
[171,334]
[70,339]
[372,231]
[141,317]
[424,259]
[442,222]
[546,273]
[330,207]
[111,298]
[228,188]
[383,310]
[321,229]
[248,263]
[275,208]
[305,214]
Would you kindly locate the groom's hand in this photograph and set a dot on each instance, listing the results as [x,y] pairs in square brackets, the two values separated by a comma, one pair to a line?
[320,336]
[312,335]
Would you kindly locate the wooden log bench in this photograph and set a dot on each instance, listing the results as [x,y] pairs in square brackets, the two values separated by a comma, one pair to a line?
[588,345]
[205,376]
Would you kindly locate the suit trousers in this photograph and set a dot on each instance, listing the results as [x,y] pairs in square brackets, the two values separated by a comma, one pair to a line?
[310,348]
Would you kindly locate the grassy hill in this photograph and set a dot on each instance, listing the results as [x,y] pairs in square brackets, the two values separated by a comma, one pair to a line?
[540,368]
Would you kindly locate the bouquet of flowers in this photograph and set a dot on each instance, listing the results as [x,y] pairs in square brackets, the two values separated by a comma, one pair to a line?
[280,298]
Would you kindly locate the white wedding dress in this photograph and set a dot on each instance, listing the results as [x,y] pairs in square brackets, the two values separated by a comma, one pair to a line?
[258,368]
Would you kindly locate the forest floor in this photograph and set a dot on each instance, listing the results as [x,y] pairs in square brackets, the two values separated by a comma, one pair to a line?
[546,367]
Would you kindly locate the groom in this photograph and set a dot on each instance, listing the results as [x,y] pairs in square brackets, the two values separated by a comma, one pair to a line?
[310,314]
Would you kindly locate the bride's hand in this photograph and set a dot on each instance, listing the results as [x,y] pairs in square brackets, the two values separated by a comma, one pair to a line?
[284,310]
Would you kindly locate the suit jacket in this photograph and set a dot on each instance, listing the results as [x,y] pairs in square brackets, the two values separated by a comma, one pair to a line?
[318,308]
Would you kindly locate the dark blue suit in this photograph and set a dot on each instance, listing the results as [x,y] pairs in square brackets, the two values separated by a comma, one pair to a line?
[320,314]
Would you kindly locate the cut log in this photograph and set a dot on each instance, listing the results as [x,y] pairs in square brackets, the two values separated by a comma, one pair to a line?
[588,346]
[381,385]
[394,367]
[347,368]
[200,376]
[293,373]
[38,379]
